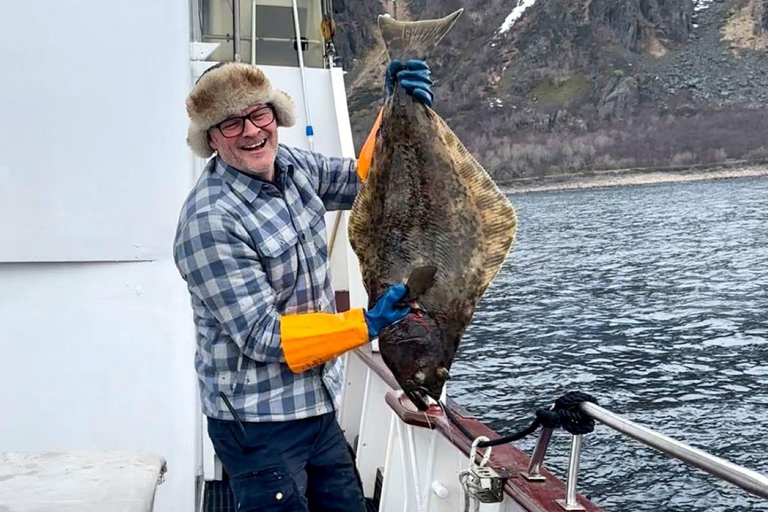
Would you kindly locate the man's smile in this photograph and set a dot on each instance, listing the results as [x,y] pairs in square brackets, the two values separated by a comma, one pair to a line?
[255,146]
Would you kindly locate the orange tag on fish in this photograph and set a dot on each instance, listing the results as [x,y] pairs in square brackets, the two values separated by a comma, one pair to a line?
[366,154]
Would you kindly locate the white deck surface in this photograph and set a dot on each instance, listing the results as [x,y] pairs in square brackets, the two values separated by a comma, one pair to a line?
[78,481]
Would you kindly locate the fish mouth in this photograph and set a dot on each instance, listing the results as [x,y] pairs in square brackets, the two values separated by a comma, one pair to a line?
[418,395]
[419,387]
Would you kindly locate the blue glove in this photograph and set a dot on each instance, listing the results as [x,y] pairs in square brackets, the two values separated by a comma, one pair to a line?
[413,76]
[384,312]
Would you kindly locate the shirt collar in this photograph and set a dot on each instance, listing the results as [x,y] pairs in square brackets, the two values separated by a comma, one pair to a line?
[282,164]
[247,186]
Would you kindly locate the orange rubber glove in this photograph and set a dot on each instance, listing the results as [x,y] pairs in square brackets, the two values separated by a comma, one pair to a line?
[366,154]
[315,338]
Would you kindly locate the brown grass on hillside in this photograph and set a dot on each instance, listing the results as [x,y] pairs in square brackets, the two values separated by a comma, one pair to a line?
[744,28]
[652,141]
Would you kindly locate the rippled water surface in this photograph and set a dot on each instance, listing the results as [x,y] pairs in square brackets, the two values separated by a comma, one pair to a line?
[655,300]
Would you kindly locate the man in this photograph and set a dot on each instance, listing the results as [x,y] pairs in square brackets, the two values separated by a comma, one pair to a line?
[251,246]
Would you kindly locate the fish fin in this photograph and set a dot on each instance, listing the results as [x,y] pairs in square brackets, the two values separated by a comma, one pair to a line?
[359,228]
[497,215]
[366,154]
[420,280]
[412,39]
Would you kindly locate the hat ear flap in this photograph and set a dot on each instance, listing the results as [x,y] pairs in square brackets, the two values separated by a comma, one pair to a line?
[285,110]
[197,139]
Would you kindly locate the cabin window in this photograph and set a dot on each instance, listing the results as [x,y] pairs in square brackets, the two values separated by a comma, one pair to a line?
[275,33]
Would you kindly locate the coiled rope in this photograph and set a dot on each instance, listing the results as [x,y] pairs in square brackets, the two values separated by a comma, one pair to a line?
[565,413]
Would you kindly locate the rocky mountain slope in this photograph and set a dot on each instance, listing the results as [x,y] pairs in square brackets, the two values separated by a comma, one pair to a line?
[537,87]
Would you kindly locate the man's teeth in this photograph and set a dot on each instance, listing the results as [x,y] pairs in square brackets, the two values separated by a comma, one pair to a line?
[257,145]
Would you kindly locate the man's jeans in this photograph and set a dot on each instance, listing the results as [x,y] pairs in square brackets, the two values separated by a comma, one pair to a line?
[295,465]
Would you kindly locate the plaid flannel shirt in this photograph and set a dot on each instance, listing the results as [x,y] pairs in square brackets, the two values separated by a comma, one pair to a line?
[251,251]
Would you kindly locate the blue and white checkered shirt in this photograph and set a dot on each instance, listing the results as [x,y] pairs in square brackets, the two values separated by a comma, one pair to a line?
[250,252]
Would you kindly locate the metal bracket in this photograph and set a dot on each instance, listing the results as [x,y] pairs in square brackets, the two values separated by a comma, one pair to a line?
[533,478]
[480,482]
[565,506]
[489,486]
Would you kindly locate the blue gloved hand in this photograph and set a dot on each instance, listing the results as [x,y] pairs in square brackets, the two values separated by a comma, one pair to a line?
[413,76]
[385,312]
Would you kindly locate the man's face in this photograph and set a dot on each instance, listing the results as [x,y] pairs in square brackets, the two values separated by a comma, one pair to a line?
[254,150]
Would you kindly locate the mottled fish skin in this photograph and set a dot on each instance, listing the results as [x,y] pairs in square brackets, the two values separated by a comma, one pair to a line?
[427,202]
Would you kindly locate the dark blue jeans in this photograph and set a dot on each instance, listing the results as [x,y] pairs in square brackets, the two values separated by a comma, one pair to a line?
[300,465]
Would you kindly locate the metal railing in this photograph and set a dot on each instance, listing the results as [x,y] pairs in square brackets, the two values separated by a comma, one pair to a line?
[749,480]
[228,38]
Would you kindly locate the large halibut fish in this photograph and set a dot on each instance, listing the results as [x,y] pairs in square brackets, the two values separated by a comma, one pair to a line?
[430,215]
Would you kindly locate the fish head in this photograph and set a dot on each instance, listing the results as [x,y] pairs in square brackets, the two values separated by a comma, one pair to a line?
[414,350]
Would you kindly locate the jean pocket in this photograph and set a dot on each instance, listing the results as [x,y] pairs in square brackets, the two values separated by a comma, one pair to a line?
[225,435]
[270,489]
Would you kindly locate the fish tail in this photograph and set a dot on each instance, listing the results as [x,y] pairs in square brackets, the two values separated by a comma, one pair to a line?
[413,39]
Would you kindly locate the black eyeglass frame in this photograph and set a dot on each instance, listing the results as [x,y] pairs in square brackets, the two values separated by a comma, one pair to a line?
[243,119]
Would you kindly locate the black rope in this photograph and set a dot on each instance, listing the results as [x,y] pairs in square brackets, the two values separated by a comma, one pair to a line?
[565,414]
[484,444]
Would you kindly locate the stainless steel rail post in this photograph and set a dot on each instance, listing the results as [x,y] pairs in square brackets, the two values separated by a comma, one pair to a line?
[537,457]
[570,503]
[748,480]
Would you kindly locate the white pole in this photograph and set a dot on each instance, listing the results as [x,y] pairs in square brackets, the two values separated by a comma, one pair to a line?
[236,29]
[309,131]
[253,32]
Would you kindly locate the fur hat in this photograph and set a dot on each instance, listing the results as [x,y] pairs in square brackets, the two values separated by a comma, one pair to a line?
[226,90]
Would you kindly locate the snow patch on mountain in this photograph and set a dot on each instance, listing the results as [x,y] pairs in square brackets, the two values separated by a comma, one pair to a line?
[700,5]
[515,15]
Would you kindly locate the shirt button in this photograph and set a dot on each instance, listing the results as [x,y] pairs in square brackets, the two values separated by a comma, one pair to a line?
[303,237]
[279,496]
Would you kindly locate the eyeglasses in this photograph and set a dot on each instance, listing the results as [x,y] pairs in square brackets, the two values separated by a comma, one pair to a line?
[234,126]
